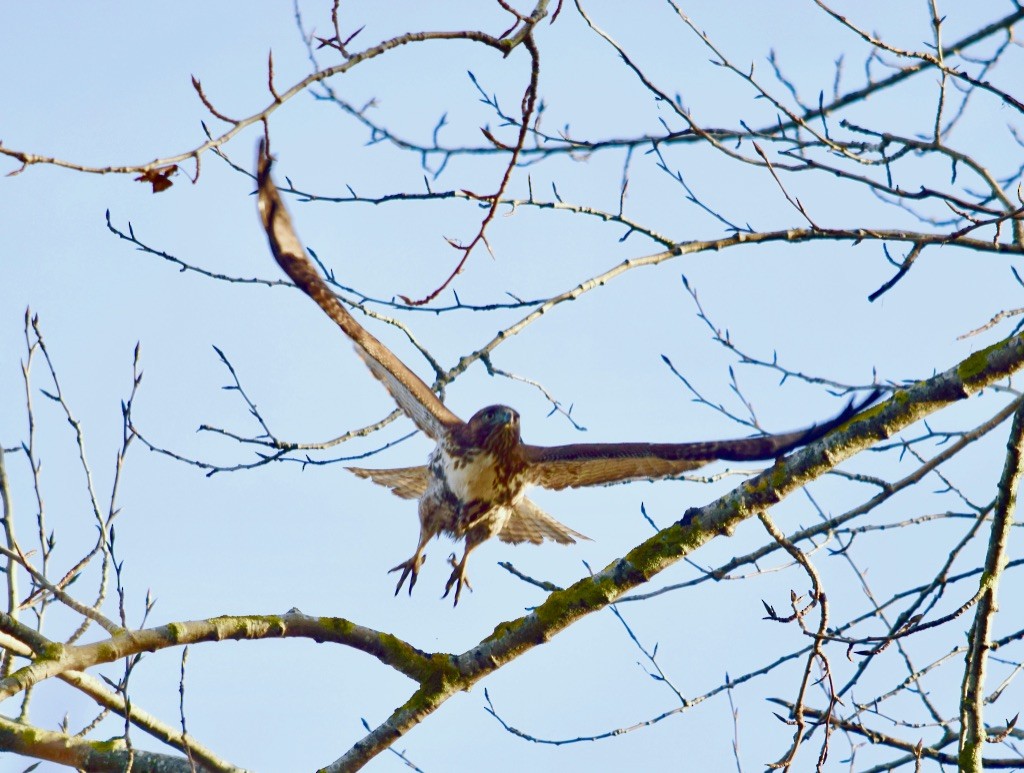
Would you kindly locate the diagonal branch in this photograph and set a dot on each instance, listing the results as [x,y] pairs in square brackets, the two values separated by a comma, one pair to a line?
[697,527]
[112,756]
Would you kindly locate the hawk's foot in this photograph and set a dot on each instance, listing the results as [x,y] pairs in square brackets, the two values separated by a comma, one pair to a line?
[410,569]
[458,579]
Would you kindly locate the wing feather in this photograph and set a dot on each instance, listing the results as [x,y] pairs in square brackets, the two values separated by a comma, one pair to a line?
[528,523]
[594,464]
[404,482]
[413,396]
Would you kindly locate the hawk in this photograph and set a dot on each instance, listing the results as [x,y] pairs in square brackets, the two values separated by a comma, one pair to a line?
[473,486]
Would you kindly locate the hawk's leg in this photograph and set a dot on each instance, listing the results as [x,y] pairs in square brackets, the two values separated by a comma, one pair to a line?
[459,578]
[411,568]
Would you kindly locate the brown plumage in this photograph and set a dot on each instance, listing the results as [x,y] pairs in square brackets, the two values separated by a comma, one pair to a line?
[473,486]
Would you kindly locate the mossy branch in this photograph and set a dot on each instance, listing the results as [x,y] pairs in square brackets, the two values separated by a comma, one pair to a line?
[55,659]
[697,527]
[111,756]
[973,734]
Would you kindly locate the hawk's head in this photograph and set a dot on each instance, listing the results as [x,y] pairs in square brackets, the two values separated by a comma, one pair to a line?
[495,428]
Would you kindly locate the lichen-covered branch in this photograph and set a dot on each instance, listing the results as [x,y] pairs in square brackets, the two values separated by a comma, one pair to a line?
[697,527]
[55,659]
[111,756]
[972,723]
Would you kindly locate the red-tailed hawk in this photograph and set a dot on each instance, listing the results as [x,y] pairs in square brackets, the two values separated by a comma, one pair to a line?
[473,486]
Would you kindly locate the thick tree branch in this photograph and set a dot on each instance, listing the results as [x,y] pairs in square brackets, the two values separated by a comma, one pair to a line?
[697,527]
[56,659]
[111,756]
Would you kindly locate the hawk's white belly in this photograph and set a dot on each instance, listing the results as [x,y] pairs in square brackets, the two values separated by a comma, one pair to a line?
[474,479]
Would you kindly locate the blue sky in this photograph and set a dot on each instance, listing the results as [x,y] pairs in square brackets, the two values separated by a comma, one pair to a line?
[109,83]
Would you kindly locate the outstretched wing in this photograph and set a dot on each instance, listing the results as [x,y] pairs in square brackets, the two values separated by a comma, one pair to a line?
[413,396]
[404,482]
[594,464]
[528,523]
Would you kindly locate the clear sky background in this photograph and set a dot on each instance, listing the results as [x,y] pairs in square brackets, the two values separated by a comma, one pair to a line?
[108,83]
